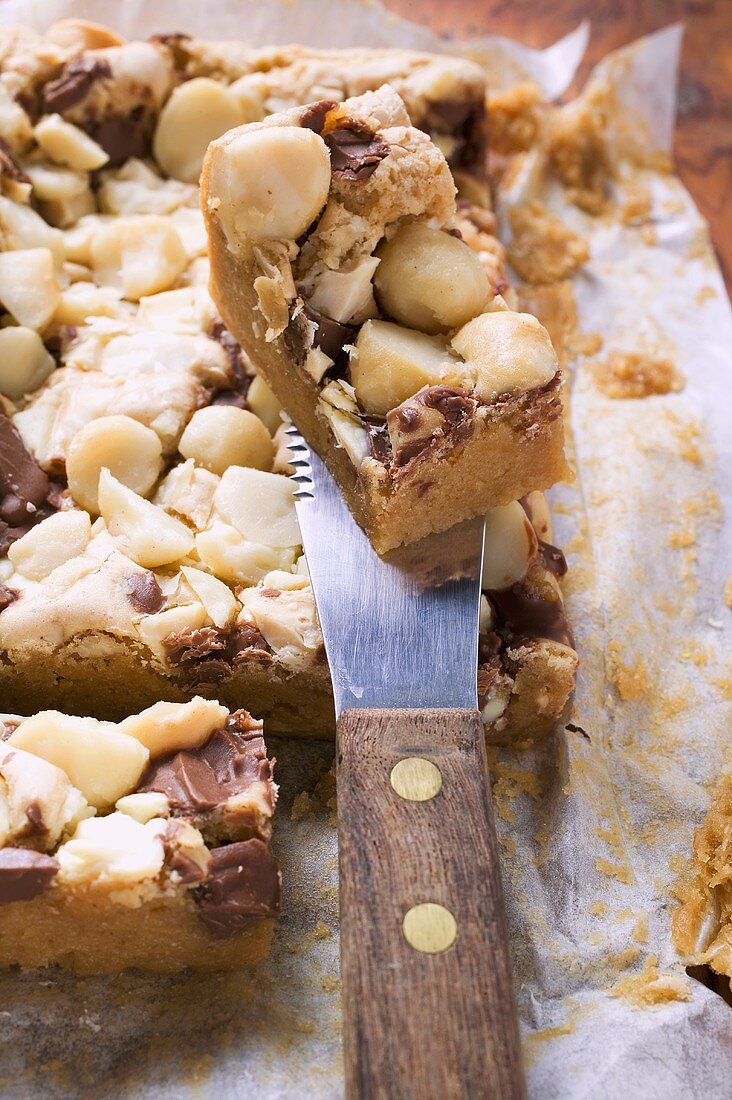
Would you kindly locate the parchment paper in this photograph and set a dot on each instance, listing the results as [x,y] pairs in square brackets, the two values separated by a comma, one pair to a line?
[597,823]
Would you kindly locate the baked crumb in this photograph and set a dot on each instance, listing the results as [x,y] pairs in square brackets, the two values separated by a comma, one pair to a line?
[514,118]
[543,249]
[652,987]
[578,152]
[636,207]
[630,374]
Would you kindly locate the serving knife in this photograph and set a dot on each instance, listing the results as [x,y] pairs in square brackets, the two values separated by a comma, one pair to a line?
[428,1004]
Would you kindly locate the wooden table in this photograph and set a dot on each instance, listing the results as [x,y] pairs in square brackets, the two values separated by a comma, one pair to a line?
[704,130]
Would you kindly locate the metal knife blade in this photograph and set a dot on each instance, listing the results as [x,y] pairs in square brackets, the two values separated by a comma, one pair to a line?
[400,630]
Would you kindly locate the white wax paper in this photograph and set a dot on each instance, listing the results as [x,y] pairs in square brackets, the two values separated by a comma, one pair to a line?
[596,824]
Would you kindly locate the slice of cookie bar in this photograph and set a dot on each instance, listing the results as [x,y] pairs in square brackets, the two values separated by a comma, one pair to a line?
[141,844]
[335,264]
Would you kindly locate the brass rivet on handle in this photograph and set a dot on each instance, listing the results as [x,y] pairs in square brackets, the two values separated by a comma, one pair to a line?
[429,927]
[416,779]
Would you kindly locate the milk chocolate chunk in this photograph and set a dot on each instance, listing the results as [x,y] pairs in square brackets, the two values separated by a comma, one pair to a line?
[200,780]
[24,874]
[241,375]
[9,166]
[330,336]
[243,886]
[7,596]
[313,116]
[122,136]
[526,616]
[186,870]
[24,488]
[72,86]
[144,593]
[355,151]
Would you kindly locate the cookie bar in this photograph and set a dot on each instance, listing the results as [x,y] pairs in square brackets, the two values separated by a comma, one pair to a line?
[702,925]
[122,362]
[335,265]
[143,844]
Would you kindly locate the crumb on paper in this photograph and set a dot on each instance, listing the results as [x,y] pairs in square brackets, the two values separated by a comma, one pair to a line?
[630,374]
[704,294]
[322,797]
[728,592]
[630,679]
[636,205]
[619,871]
[543,249]
[652,987]
[577,150]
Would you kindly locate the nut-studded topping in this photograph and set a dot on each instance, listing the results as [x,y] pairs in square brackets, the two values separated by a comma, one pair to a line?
[430,280]
[196,113]
[51,543]
[216,597]
[268,182]
[145,532]
[169,727]
[100,761]
[28,287]
[510,352]
[264,404]
[66,144]
[40,802]
[220,436]
[140,255]
[390,363]
[510,546]
[129,450]
[238,560]
[24,361]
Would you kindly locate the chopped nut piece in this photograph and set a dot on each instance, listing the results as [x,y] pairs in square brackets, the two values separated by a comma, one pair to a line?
[40,802]
[196,113]
[510,546]
[28,287]
[50,543]
[143,806]
[220,436]
[259,505]
[100,761]
[114,849]
[67,144]
[430,280]
[146,533]
[129,450]
[238,560]
[140,255]
[24,362]
[216,597]
[272,182]
[391,363]
[169,727]
[264,404]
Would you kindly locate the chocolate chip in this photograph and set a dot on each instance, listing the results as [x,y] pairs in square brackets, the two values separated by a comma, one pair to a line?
[355,151]
[203,779]
[73,85]
[144,592]
[122,136]
[24,487]
[330,336]
[313,116]
[186,869]
[526,616]
[465,122]
[379,443]
[243,886]
[241,371]
[553,558]
[24,874]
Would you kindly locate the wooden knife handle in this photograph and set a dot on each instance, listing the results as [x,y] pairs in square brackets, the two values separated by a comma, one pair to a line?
[434,1018]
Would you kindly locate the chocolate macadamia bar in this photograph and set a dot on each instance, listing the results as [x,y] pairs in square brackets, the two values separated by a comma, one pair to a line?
[141,844]
[336,264]
[149,548]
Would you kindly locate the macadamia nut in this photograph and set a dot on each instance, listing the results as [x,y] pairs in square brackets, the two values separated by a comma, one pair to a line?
[510,546]
[264,404]
[196,113]
[170,727]
[510,351]
[392,363]
[268,182]
[50,543]
[430,280]
[261,506]
[140,255]
[129,450]
[66,144]
[145,532]
[220,436]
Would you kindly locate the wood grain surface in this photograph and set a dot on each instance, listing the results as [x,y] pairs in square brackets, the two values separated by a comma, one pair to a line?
[419,1025]
[704,126]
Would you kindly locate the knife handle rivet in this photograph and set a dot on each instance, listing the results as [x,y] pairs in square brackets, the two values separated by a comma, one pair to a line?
[416,779]
[429,928]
